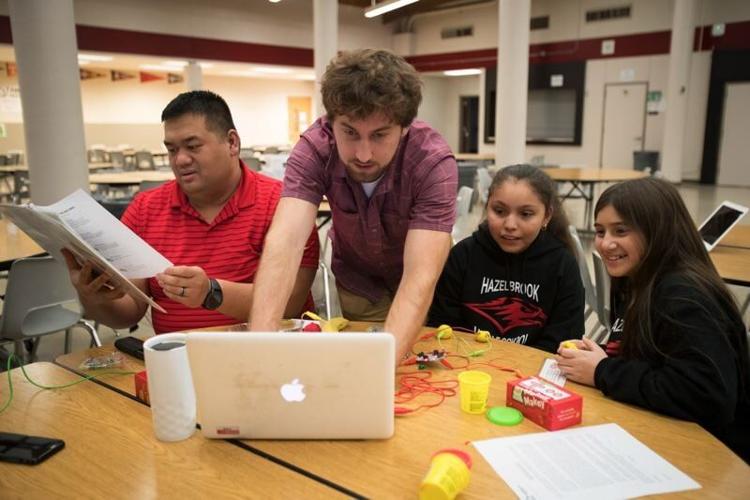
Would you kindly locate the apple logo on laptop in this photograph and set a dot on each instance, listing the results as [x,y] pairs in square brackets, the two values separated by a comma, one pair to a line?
[293,391]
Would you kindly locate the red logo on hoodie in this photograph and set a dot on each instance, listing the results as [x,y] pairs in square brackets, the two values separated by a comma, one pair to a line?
[507,313]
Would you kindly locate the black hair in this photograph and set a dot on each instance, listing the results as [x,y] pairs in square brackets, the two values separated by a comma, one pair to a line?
[546,189]
[202,103]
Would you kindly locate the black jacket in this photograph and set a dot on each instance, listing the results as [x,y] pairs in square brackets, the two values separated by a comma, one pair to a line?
[698,376]
[534,298]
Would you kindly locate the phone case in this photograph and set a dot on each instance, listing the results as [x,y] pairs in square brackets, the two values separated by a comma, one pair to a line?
[23,449]
[132,346]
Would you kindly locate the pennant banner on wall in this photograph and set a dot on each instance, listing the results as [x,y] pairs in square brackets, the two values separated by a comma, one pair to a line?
[149,77]
[120,75]
[174,78]
[87,74]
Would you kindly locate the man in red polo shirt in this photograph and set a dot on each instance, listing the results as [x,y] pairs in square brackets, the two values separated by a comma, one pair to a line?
[391,183]
[211,222]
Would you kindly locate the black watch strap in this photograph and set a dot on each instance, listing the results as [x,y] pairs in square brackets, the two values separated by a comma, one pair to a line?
[214,297]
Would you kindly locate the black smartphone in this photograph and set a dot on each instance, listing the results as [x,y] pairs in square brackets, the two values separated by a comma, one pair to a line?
[130,345]
[22,449]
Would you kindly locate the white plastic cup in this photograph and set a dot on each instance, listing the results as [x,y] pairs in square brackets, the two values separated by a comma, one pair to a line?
[170,386]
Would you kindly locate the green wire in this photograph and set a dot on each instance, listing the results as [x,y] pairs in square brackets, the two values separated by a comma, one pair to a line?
[84,378]
[10,387]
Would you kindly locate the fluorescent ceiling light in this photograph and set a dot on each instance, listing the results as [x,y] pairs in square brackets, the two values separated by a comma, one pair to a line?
[83,63]
[462,72]
[93,57]
[180,64]
[386,6]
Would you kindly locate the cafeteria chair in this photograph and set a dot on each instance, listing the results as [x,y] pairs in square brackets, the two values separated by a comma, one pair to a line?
[96,155]
[117,158]
[40,300]
[115,206]
[589,292]
[463,204]
[15,157]
[602,280]
[484,180]
[146,185]
[252,163]
[646,161]
[144,160]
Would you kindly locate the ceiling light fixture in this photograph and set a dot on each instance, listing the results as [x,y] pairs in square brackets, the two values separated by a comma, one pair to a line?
[386,6]
[462,72]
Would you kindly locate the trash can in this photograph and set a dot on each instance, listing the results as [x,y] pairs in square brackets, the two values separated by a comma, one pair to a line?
[646,161]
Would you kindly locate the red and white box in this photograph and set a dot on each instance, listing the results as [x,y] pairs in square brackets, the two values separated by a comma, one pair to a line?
[544,403]
[141,386]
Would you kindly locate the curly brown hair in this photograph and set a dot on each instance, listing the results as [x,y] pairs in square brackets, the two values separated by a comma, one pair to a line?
[364,82]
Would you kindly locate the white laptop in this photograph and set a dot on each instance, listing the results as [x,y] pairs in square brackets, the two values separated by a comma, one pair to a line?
[293,385]
[720,222]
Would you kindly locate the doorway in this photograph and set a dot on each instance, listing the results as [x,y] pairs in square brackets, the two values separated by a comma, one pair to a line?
[300,111]
[624,123]
[468,141]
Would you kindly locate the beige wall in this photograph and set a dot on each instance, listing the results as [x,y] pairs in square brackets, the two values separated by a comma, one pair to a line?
[566,24]
[287,23]
[566,21]
[441,103]
[128,112]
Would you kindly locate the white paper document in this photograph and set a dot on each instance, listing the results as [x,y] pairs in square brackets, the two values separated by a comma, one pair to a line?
[80,224]
[551,372]
[595,462]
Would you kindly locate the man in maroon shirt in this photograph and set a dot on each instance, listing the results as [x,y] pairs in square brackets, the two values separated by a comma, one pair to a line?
[210,222]
[391,183]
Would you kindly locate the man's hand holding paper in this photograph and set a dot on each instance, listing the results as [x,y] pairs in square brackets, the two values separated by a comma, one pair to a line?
[93,286]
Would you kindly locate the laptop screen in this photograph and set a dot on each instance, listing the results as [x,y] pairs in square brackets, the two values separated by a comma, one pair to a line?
[719,223]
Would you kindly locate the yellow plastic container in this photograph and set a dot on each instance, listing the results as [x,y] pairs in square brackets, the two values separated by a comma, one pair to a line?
[474,386]
[448,475]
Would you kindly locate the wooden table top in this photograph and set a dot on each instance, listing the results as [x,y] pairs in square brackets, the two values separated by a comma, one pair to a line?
[15,244]
[132,177]
[96,165]
[110,450]
[738,236]
[732,263]
[594,174]
[361,466]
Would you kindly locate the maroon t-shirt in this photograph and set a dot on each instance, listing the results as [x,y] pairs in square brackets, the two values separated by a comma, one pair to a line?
[417,191]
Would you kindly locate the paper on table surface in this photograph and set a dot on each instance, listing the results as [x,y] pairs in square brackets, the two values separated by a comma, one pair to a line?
[96,235]
[594,462]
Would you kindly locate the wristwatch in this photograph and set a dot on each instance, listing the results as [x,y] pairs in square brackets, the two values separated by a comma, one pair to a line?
[214,297]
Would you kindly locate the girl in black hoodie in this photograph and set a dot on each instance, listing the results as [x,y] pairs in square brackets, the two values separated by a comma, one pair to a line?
[683,348]
[516,276]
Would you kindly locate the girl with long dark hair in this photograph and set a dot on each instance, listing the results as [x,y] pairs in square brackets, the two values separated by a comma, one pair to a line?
[683,347]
